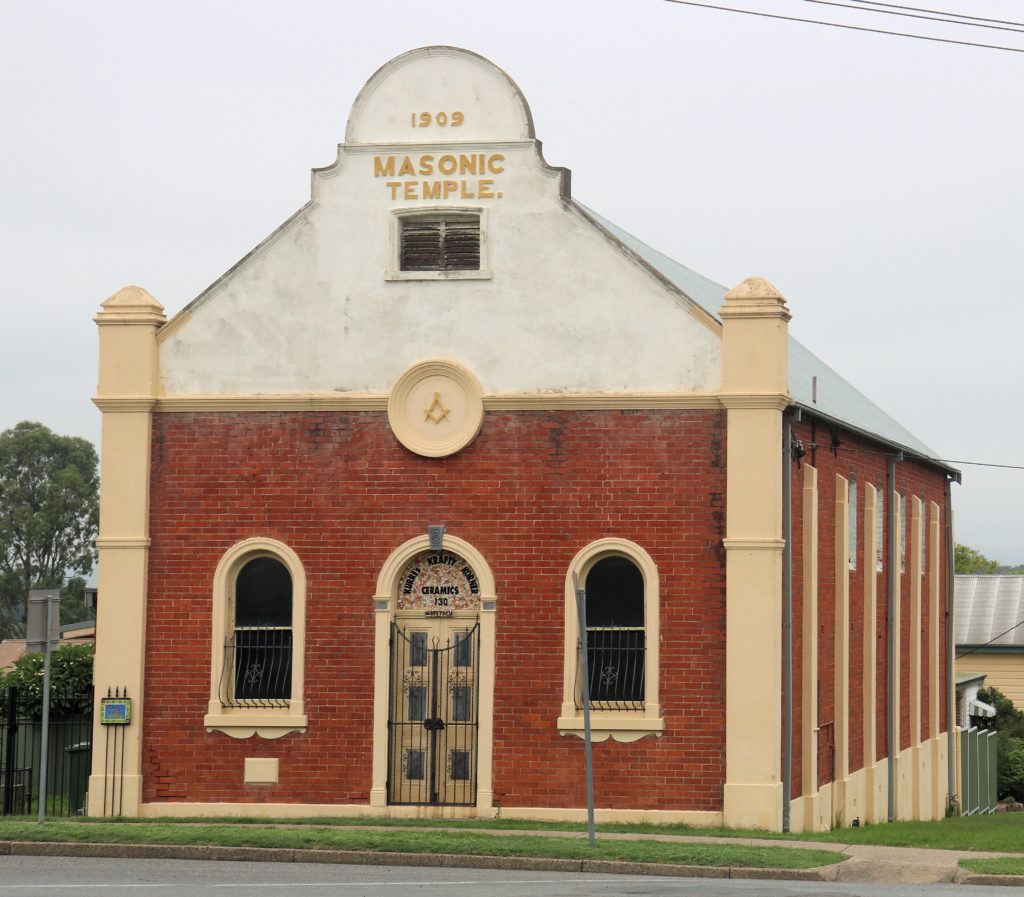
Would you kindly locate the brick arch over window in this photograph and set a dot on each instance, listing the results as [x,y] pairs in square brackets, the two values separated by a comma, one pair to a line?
[243,718]
[384,603]
[613,719]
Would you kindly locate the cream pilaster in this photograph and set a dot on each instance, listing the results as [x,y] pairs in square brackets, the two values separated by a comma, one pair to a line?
[809,640]
[841,649]
[126,393]
[939,772]
[916,510]
[754,392]
[873,809]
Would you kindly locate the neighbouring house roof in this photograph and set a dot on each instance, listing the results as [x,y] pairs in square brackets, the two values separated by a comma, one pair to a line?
[10,650]
[834,398]
[989,612]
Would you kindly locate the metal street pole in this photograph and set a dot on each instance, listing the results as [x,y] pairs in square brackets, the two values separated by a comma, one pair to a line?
[581,609]
[51,598]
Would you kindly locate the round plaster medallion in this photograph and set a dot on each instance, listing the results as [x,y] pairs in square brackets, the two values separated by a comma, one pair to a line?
[436,408]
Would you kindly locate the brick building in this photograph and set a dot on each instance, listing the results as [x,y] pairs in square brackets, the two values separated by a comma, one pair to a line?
[349,492]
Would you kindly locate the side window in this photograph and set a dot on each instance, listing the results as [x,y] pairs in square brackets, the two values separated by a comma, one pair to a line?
[902,499]
[879,527]
[851,548]
[259,656]
[621,641]
[616,639]
[258,636]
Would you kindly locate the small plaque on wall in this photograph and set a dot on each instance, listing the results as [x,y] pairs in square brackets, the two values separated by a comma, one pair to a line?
[115,711]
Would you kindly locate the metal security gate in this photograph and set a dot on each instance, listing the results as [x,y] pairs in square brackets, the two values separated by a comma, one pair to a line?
[69,753]
[433,712]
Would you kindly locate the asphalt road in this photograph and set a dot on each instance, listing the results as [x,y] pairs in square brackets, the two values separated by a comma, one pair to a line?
[24,876]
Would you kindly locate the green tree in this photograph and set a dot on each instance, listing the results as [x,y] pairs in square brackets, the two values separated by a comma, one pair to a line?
[70,680]
[1008,723]
[967,560]
[49,508]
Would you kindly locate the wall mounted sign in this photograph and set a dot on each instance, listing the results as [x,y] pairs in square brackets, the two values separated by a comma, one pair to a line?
[436,408]
[115,711]
[439,583]
[444,176]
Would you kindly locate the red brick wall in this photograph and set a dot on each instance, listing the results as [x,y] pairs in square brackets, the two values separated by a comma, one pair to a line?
[866,462]
[529,493]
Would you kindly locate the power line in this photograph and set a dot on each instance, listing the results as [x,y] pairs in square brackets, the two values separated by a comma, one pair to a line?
[958,15]
[982,464]
[915,15]
[863,451]
[990,641]
[768,15]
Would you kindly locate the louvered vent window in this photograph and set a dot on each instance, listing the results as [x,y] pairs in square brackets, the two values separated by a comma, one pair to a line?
[441,244]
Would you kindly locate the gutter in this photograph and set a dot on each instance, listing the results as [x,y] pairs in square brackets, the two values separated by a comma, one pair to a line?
[951,793]
[891,683]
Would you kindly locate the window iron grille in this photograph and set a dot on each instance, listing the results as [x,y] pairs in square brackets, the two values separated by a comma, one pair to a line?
[257,668]
[615,662]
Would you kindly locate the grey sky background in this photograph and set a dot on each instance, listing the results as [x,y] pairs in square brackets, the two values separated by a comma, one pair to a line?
[876,181]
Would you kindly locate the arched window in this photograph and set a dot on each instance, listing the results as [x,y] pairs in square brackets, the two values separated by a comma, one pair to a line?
[620,583]
[616,639]
[258,641]
[258,658]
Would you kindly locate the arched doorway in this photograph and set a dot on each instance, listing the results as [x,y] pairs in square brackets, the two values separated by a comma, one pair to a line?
[434,678]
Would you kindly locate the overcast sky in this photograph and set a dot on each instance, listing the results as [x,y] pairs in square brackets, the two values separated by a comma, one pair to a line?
[876,181]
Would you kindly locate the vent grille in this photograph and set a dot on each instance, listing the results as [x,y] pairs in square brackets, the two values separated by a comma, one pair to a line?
[440,244]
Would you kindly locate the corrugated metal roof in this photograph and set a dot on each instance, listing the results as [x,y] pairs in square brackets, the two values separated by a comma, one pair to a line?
[833,398]
[989,610]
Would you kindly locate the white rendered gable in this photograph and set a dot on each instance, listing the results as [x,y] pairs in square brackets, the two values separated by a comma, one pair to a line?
[558,305]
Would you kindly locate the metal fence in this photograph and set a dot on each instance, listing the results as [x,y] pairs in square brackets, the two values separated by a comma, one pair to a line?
[978,772]
[69,753]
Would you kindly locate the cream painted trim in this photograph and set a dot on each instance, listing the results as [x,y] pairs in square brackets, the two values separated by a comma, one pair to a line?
[841,632]
[387,580]
[451,383]
[934,650]
[540,401]
[433,212]
[771,401]
[397,149]
[809,638]
[869,634]
[122,542]
[864,795]
[916,572]
[173,325]
[611,725]
[622,725]
[754,544]
[265,403]
[261,771]
[384,607]
[124,404]
[243,722]
[703,818]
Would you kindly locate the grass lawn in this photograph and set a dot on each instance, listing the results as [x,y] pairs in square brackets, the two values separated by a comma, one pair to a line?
[403,840]
[1001,832]
[995,866]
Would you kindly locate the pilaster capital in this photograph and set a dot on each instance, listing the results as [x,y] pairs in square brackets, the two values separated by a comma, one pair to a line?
[755,297]
[131,305]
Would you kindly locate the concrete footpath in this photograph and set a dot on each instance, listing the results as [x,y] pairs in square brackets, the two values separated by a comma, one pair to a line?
[863,863]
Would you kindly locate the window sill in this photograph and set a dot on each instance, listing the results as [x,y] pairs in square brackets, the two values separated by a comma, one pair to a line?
[481,274]
[246,723]
[620,726]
